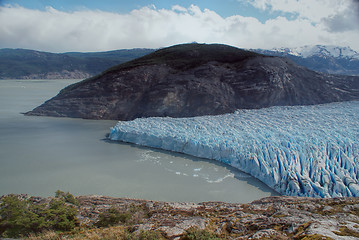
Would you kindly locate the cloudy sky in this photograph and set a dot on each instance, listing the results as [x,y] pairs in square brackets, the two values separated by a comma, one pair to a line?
[101,25]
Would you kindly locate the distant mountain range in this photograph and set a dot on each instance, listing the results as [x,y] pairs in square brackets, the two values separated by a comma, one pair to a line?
[327,59]
[30,64]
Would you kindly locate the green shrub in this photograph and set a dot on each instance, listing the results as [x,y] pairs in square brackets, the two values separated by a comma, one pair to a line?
[134,214]
[19,217]
[194,233]
[111,217]
[16,218]
[60,216]
[68,197]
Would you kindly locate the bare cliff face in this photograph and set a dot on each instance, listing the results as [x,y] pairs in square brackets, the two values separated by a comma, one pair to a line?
[197,79]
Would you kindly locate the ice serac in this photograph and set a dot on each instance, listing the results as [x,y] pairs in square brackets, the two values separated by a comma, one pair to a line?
[298,151]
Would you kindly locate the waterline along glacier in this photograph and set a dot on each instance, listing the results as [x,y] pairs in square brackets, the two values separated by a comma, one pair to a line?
[299,151]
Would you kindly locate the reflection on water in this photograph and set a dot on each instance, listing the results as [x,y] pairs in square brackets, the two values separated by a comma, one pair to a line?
[39,155]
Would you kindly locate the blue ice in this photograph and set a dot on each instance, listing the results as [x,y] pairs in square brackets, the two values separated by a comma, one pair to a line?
[308,151]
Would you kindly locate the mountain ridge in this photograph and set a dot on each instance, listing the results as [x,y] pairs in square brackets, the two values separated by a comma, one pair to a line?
[323,50]
[321,58]
[32,64]
[197,79]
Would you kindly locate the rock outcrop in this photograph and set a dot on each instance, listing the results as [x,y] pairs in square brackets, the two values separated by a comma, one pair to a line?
[197,79]
[268,218]
[64,74]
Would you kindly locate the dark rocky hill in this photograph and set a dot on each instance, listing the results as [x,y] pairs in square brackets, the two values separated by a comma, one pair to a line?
[197,79]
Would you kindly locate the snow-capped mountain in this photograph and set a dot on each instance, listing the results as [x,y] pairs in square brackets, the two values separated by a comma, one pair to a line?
[321,51]
[327,59]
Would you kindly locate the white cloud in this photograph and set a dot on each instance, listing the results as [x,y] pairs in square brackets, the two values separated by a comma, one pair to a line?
[345,20]
[58,31]
[314,10]
[336,15]
[179,8]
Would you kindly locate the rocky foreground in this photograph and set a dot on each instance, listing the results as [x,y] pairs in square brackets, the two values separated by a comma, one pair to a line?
[267,218]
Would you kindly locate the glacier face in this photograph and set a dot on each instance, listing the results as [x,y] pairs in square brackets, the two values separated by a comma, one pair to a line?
[298,151]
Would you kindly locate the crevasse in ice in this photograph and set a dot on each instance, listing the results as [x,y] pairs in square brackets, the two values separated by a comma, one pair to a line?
[299,151]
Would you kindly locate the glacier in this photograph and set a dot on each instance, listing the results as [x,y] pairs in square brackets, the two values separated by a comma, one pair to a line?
[310,151]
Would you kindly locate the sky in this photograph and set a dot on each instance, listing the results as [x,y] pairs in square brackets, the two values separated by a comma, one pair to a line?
[103,25]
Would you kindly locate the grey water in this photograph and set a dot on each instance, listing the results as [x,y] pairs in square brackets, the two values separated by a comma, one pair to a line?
[39,155]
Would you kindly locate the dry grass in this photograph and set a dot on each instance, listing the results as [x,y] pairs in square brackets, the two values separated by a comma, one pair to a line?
[345,231]
[118,232]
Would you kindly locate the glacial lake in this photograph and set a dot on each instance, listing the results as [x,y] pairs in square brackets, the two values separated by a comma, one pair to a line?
[39,155]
